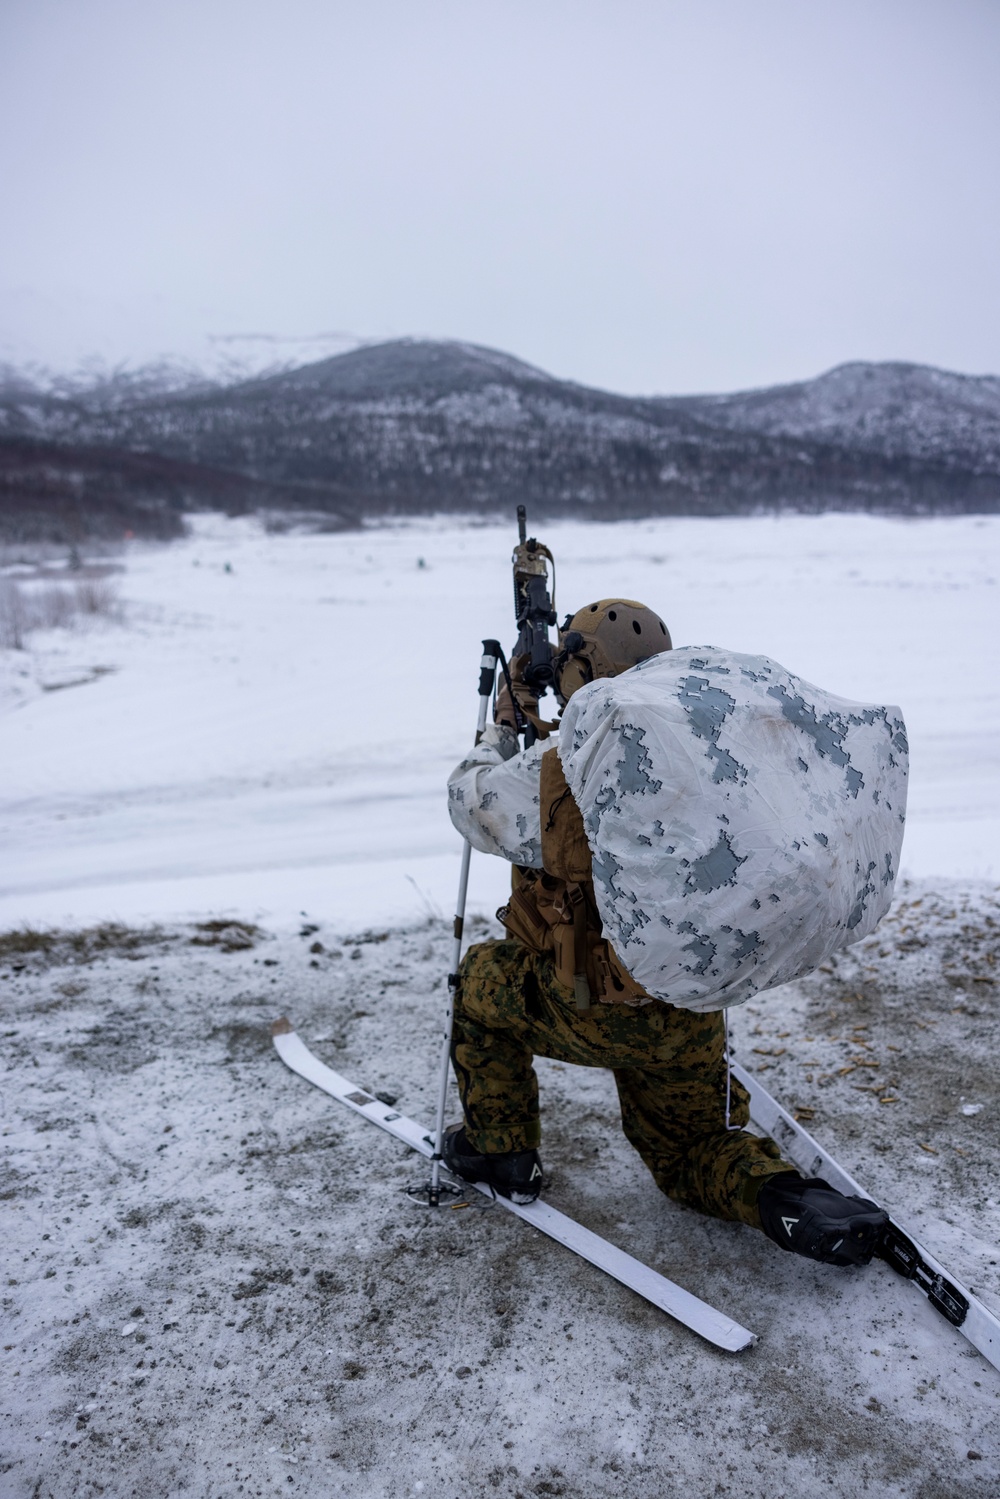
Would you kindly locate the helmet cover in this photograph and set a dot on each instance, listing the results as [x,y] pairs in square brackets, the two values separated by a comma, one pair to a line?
[605,639]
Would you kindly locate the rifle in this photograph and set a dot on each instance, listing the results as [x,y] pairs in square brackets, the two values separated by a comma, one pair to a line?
[534,613]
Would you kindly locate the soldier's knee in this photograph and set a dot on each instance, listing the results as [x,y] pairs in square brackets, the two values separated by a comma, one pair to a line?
[488,976]
[472,958]
[497,953]
[476,969]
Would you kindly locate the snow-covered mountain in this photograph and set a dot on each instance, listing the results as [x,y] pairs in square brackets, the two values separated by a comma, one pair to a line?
[415,426]
[892,409]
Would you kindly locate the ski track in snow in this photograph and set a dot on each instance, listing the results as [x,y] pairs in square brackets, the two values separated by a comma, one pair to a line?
[215,1283]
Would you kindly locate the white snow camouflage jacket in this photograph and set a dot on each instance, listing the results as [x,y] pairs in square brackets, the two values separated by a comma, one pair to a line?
[493,797]
[743,824]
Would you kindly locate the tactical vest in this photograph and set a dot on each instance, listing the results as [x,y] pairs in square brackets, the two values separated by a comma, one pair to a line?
[554,909]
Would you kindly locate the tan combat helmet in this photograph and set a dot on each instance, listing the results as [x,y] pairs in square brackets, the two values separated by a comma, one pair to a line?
[604,639]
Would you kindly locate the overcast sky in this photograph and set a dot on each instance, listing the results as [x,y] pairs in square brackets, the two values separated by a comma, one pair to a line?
[676,196]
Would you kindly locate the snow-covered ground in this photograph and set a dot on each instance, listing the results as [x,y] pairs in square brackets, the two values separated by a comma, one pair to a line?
[282,711]
[217,1286]
[214,1282]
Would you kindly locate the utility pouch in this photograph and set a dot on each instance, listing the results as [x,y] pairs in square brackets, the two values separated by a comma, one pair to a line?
[615,984]
[529,914]
[551,915]
[570,944]
[581,985]
[522,922]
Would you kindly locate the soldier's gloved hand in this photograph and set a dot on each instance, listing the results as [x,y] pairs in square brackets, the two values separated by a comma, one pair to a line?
[503,708]
[503,712]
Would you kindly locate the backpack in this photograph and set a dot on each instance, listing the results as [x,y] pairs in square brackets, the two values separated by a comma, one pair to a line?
[743,824]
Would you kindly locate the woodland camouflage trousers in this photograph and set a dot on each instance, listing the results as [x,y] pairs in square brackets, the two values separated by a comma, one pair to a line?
[669,1066]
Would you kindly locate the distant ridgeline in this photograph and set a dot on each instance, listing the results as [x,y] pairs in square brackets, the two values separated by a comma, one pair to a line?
[414,427]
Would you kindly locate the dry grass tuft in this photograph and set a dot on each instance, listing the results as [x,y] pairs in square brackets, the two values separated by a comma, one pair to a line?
[230,936]
[107,939]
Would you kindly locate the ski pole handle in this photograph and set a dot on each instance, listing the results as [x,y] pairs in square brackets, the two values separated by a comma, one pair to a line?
[487,676]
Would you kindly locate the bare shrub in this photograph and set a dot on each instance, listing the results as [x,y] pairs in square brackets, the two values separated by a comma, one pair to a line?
[14,620]
[96,596]
[54,606]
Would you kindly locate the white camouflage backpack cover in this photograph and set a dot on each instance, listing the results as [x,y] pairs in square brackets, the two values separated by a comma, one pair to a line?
[743,824]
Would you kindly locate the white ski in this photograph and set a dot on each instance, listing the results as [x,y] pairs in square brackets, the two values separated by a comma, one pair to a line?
[670,1298]
[900,1250]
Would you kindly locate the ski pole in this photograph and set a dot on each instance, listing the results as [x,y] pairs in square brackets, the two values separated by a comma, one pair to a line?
[487,676]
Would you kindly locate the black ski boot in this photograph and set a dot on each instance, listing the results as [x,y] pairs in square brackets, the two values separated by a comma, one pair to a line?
[810,1218]
[516,1174]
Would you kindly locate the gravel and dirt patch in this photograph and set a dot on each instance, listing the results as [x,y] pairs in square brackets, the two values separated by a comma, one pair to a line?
[216,1284]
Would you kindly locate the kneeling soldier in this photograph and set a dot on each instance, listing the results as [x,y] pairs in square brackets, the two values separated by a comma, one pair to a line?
[556,988]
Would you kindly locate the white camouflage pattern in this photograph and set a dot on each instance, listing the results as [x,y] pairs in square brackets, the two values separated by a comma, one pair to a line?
[744,824]
[493,797]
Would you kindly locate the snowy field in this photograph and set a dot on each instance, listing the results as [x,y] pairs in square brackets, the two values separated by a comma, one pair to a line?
[274,738]
[215,1284]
